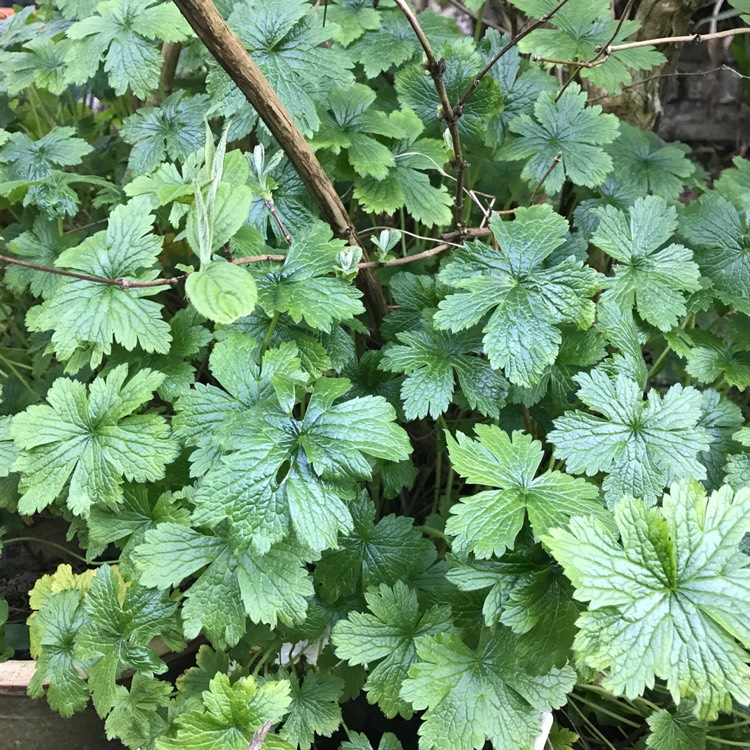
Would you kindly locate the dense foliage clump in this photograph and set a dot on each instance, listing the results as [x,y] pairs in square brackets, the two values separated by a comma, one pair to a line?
[419,421]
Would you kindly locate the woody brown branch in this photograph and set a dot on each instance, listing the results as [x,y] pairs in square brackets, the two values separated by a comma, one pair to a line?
[227,49]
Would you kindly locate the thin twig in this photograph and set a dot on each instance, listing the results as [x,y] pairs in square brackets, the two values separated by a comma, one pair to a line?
[573,63]
[257,741]
[692,38]
[672,75]
[461,103]
[602,51]
[436,68]
[271,206]
[549,171]
[475,17]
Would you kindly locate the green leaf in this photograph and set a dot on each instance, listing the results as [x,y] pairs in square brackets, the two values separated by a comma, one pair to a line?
[285,38]
[487,523]
[237,583]
[57,625]
[531,597]
[352,18]
[416,91]
[658,597]
[303,287]
[173,130]
[244,385]
[41,64]
[230,715]
[566,128]
[642,445]
[388,634]
[522,335]
[719,234]
[90,440]
[432,360]
[581,28]
[372,553]
[721,419]
[34,160]
[358,741]
[652,278]
[85,315]
[314,709]
[647,164]
[42,245]
[130,521]
[352,125]
[297,475]
[734,184]
[120,33]
[222,291]
[408,184]
[472,696]
[134,718]
[121,620]
[6,652]
[676,731]
[711,357]
[395,43]
[520,89]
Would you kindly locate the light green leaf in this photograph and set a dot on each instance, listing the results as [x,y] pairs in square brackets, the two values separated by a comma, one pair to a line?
[641,445]
[472,696]
[388,634]
[522,334]
[314,709]
[487,523]
[659,597]
[90,440]
[222,291]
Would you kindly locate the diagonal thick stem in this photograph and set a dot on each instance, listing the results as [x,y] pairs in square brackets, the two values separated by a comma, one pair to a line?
[227,49]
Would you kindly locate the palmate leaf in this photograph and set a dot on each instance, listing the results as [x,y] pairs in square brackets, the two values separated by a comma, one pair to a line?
[41,64]
[416,91]
[394,42]
[658,596]
[648,164]
[652,278]
[530,596]
[566,129]
[90,440]
[372,553]
[88,316]
[121,620]
[581,26]
[352,125]
[676,731]
[472,696]
[42,245]
[522,334]
[487,523]
[408,185]
[121,33]
[314,709]
[354,17]
[719,234]
[244,385]
[284,38]
[519,89]
[303,287]
[33,160]
[235,582]
[135,718]
[432,360]
[173,130]
[388,634]
[642,445]
[230,714]
[297,475]
[359,741]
